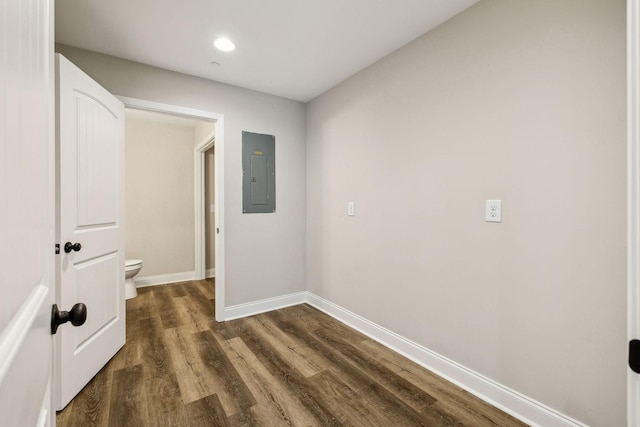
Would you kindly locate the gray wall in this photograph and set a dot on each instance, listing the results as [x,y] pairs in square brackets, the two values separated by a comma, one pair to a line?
[264,254]
[523,101]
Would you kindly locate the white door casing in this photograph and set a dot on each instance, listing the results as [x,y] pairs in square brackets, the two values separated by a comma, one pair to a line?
[90,184]
[27,214]
[199,209]
[199,192]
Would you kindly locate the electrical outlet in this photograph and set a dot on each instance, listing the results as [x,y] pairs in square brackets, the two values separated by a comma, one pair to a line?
[351,208]
[493,212]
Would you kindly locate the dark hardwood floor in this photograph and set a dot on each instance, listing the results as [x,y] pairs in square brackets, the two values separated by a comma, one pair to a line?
[295,366]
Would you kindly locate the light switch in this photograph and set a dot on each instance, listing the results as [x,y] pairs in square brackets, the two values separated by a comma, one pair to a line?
[212,208]
[351,208]
[493,211]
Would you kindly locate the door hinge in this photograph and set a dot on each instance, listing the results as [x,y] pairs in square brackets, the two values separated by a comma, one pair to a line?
[634,356]
[217,230]
[57,248]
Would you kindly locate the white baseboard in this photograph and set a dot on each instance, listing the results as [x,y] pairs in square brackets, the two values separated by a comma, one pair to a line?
[525,409]
[164,278]
[210,272]
[262,306]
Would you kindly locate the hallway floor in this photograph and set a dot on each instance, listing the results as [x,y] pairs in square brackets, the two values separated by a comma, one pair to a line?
[295,366]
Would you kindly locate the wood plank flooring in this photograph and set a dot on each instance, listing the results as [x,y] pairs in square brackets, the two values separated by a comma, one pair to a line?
[291,367]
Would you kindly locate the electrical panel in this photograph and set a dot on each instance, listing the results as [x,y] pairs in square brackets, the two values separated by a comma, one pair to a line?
[258,173]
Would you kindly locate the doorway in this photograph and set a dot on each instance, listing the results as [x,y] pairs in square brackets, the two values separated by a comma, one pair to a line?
[209,213]
[203,142]
[205,207]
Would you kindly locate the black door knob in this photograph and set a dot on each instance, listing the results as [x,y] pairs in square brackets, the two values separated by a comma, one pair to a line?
[68,247]
[77,316]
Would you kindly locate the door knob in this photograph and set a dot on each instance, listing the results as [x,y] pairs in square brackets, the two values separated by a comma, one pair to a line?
[77,316]
[68,247]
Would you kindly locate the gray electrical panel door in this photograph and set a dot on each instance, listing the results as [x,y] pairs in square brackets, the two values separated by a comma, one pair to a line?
[258,173]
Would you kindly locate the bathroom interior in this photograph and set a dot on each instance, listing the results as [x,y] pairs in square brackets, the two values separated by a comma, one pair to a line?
[160,198]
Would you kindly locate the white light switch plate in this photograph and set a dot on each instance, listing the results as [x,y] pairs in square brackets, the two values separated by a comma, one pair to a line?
[493,212]
[351,208]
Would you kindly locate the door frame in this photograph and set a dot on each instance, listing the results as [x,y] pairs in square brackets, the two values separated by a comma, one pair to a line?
[199,186]
[218,139]
[633,208]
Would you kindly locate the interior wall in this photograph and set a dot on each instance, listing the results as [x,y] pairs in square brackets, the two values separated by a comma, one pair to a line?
[203,130]
[160,225]
[265,254]
[523,101]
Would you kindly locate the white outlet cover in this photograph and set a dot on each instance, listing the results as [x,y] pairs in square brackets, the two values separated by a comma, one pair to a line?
[493,211]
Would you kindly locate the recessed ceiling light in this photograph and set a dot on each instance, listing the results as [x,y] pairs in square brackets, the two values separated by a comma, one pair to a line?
[224,44]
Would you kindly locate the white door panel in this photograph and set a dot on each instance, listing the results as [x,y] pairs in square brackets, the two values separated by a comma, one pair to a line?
[31,327]
[27,213]
[91,213]
[98,276]
[97,154]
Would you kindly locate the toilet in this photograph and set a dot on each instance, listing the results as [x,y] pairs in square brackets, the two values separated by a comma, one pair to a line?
[131,268]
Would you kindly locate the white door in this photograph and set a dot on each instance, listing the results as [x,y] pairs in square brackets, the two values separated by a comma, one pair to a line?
[91,213]
[633,183]
[26,212]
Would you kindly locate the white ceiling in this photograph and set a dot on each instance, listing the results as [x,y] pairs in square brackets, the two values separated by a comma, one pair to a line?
[291,48]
